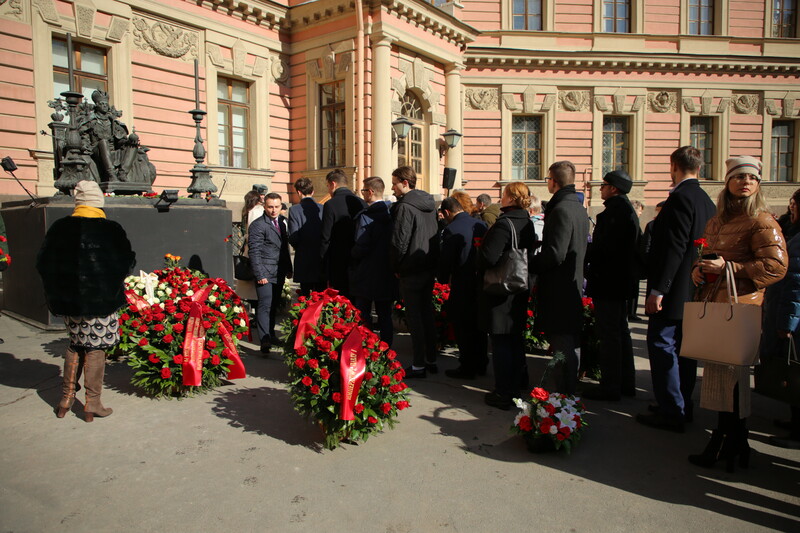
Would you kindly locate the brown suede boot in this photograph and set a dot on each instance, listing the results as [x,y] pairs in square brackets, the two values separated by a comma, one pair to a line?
[72,370]
[93,371]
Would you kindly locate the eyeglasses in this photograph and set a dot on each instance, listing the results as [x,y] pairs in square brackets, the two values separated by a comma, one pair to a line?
[366,190]
[742,177]
[604,184]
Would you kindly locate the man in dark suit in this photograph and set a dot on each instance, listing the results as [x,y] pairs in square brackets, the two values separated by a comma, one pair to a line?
[338,230]
[612,280]
[305,236]
[559,266]
[457,268]
[371,279]
[682,220]
[269,256]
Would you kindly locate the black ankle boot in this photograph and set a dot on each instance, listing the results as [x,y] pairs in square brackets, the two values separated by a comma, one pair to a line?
[712,452]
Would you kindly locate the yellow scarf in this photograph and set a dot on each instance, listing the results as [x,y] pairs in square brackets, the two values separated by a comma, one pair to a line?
[88,212]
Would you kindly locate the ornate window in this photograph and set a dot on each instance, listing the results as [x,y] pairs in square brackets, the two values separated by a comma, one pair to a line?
[89,66]
[409,150]
[784,18]
[332,124]
[233,122]
[616,16]
[526,15]
[701,136]
[616,143]
[701,17]
[782,150]
[526,146]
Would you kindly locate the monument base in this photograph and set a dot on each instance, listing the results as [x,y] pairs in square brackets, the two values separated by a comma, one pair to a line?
[196,230]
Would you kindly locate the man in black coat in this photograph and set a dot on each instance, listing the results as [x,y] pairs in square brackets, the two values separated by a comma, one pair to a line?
[269,257]
[305,236]
[682,220]
[338,231]
[371,279]
[414,253]
[613,279]
[457,267]
[559,266]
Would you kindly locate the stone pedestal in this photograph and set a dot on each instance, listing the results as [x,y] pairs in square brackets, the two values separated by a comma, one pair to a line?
[193,229]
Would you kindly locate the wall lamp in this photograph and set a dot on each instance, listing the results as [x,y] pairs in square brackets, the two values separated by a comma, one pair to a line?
[401,127]
[451,138]
[169,197]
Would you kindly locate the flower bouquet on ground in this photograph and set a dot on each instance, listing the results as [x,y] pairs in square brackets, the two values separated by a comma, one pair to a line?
[180,331]
[445,334]
[534,338]
[549,420]
[340,373]
[590,343]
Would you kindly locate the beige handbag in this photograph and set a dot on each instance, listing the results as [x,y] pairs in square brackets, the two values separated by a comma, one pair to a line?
[720,332]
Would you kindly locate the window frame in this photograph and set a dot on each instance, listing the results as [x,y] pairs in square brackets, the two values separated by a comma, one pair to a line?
[507,15]
[227,105]
[709,167]
[335,108]
[627,19]
[628,148]
[526,15]
[407,145]
[700,21]
[792,144]
[78,74]
[525,166]
[771,9]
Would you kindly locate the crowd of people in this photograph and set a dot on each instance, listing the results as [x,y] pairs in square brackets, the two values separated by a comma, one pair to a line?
[375,252]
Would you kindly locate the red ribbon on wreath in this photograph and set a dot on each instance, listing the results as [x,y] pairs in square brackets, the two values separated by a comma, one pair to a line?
[305,327]
[192,368]
[352,365]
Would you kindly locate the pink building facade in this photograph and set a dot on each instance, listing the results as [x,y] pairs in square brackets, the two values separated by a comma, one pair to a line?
[295,89]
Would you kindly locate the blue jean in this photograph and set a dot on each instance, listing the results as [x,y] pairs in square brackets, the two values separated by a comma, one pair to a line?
[674,377]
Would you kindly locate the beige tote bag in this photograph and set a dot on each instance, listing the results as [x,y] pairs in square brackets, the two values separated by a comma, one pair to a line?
[719,332]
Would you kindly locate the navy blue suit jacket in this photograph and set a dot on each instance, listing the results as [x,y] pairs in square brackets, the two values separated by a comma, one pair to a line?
[305,236]
[269,249]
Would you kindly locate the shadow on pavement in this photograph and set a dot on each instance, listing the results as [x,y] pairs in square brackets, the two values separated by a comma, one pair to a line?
[267,411]
[31,374]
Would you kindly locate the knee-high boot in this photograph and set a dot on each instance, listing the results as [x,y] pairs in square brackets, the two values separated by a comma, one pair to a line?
[93,381]
[713,450]
[73,364]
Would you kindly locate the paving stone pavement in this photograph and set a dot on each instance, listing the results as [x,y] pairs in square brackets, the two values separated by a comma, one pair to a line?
[241,459]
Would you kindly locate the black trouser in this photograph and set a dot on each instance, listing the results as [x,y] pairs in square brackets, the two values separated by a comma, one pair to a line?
[508,363]
[307,287]
[417,293]
[472,342]
[383,308]
[617,371]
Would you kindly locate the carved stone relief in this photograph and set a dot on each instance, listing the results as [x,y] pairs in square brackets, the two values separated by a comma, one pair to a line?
[12,9]
[663,102]
[788,107]
[483,98]
[47,10]
[117,29]
[574,100]
[688,104]
[549,102]
[510,102]
[84,19]
[260,67]
[416,77]
[705,105]
[771,107]
[280,71]
[601,103]
[215,55]
[167,40]
[619,103]
[638,102]
[239,52]
[723,105]
[745,104]
[529,100]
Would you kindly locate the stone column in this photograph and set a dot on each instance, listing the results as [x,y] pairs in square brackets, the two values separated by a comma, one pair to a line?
[455,156]
[382,161]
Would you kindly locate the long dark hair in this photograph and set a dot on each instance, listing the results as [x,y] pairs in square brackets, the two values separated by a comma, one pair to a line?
[251,199]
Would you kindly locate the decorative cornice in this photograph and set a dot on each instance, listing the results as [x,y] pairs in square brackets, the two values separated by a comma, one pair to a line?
[433,19]
[479,58]
[260,12]
[312,13]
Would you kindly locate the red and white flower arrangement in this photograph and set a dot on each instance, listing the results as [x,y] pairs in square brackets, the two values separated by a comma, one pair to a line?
[445,333]
[180,331]
[4,258]
[341,374]
[552,417]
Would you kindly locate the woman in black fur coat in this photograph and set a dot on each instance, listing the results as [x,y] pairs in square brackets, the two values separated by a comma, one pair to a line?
[83,263]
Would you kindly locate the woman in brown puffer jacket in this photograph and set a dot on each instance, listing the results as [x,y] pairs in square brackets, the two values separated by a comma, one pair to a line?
[745,235]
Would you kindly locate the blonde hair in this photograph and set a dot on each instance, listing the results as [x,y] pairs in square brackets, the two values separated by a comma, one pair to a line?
[519,193]
[465,202]
[728,206]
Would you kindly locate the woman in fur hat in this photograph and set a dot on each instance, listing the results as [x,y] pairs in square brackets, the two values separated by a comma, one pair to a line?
[83,263]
